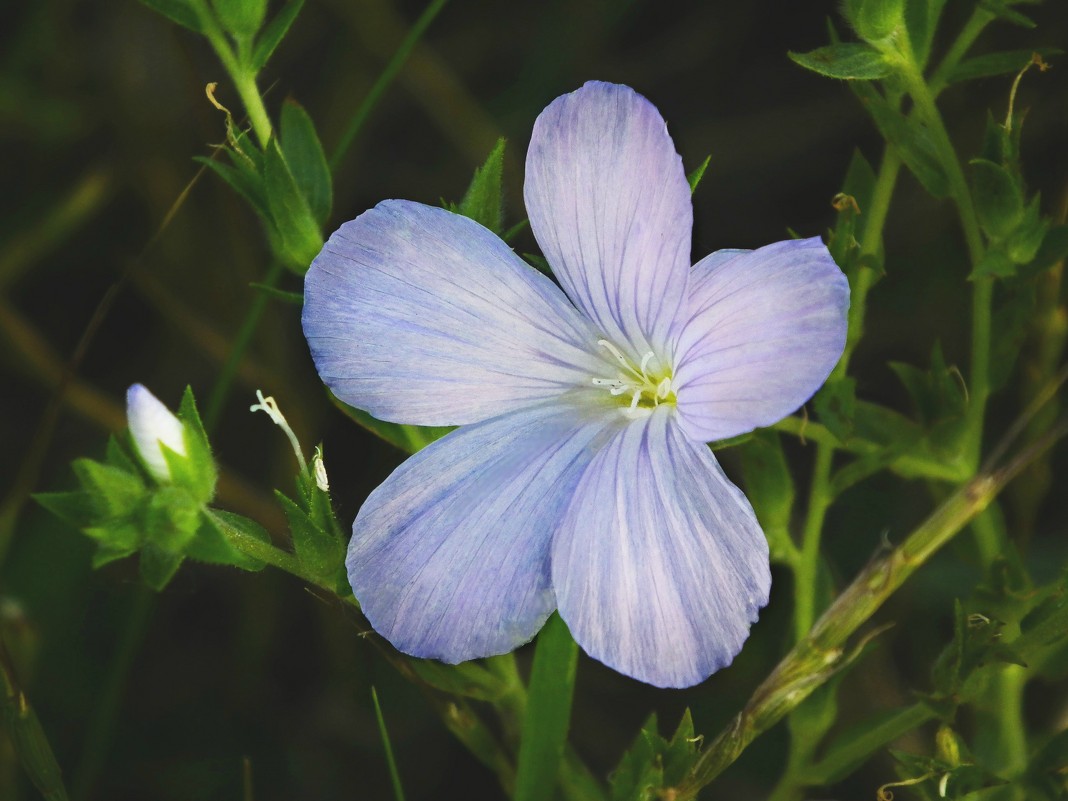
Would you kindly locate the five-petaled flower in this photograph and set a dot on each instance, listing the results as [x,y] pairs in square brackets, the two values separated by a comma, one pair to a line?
[579,478]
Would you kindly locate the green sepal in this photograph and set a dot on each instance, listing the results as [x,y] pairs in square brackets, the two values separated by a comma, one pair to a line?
[877,20]
[273,33]
[195,471]
[957,781]
[999,201]
[1007,62]
[106,553]
[654,764]
[909,138]
[171,517]
[995,263]
[318,549]
[770,488]
[836,405]
[299,236]
[177,11]
[483,201]
[1054,248]
[846,61]
[114,492]
[694,178]
[242,18]
[118,453]
[157,566]
[306,159]
[1024,242]
[211,544]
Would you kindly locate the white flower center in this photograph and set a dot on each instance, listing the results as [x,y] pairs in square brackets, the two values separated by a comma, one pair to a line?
[644,387]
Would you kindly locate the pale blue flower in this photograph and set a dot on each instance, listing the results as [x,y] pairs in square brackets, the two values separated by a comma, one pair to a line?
[579,478]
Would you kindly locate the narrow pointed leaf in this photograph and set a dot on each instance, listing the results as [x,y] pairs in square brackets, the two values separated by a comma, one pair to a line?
[694,178]
[177,11]
[306,159]
[484,202]
[847,61]
[548,716]
[274,32]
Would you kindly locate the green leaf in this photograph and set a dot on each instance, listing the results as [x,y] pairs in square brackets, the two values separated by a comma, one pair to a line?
[483,202]
[548,715]
[921,21]
[836,406]
[306,159]
[282,295]
[770,488]
[177,11]
[909,138]
[243,181]
[196,470]
[76,508]
[694,178]
[1007,62]
[242,18]
[848,61]
[274,32]
[301,238]
[172,517]
[408,438]
[469,679]
[999,201]
[995,263]
[1001,9]
[211,544]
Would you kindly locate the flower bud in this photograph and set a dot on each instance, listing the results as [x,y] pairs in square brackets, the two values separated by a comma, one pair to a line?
[152,425]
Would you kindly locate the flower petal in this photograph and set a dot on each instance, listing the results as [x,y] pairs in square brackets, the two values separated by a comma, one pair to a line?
[660,565]
[450,556]
[421,316]
[610,207]
[151,425]
[766,328]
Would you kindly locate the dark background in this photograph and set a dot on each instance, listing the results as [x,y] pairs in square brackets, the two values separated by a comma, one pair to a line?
[102,108]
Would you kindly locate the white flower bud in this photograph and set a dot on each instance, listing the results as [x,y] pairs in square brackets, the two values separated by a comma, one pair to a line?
[151,425]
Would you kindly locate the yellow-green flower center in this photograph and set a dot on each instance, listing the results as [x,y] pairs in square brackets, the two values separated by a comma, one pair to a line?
[644,386]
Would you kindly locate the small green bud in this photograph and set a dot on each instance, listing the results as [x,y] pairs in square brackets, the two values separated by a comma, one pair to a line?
[152,425]
[877,20]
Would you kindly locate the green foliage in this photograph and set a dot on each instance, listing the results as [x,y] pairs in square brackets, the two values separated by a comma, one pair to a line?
[939,401]
[921,20]
[299,239]
[1006,62]
[877,20]
[273,33]
[548,716]
[836,405]
[317,541]
[654,765]
[306,160]
[998,198]
[179,11]
[770,488]
[483,201]
[847,61]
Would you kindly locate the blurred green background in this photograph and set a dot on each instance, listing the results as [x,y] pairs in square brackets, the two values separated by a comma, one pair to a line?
[102,108]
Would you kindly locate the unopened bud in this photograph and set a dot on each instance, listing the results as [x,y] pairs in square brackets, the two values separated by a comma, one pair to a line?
[152,425]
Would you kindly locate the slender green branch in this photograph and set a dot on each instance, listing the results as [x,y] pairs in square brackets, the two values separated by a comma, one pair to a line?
[979,19]
[805,577]
[400,56]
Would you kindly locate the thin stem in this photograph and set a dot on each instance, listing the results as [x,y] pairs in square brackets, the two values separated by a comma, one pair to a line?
[979,19]
[244,79]
[805,577]
[400,56]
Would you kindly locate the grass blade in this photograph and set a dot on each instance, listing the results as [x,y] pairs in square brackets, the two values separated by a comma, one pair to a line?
[394,774]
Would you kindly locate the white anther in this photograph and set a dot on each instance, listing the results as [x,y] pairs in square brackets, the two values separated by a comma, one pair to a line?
[648,357]
[604,343]
[319,470]
[634,400]
[663,389]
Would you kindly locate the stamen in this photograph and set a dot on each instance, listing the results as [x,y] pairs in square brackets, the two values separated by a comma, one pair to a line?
[604,343]
[648,357]
[635,399]
[270,406]
[663,389]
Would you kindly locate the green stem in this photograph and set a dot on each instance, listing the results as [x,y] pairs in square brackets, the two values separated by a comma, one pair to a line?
[806,575]
[400,56]
[102,728]
[221,390]
[244,79]
[979,19]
